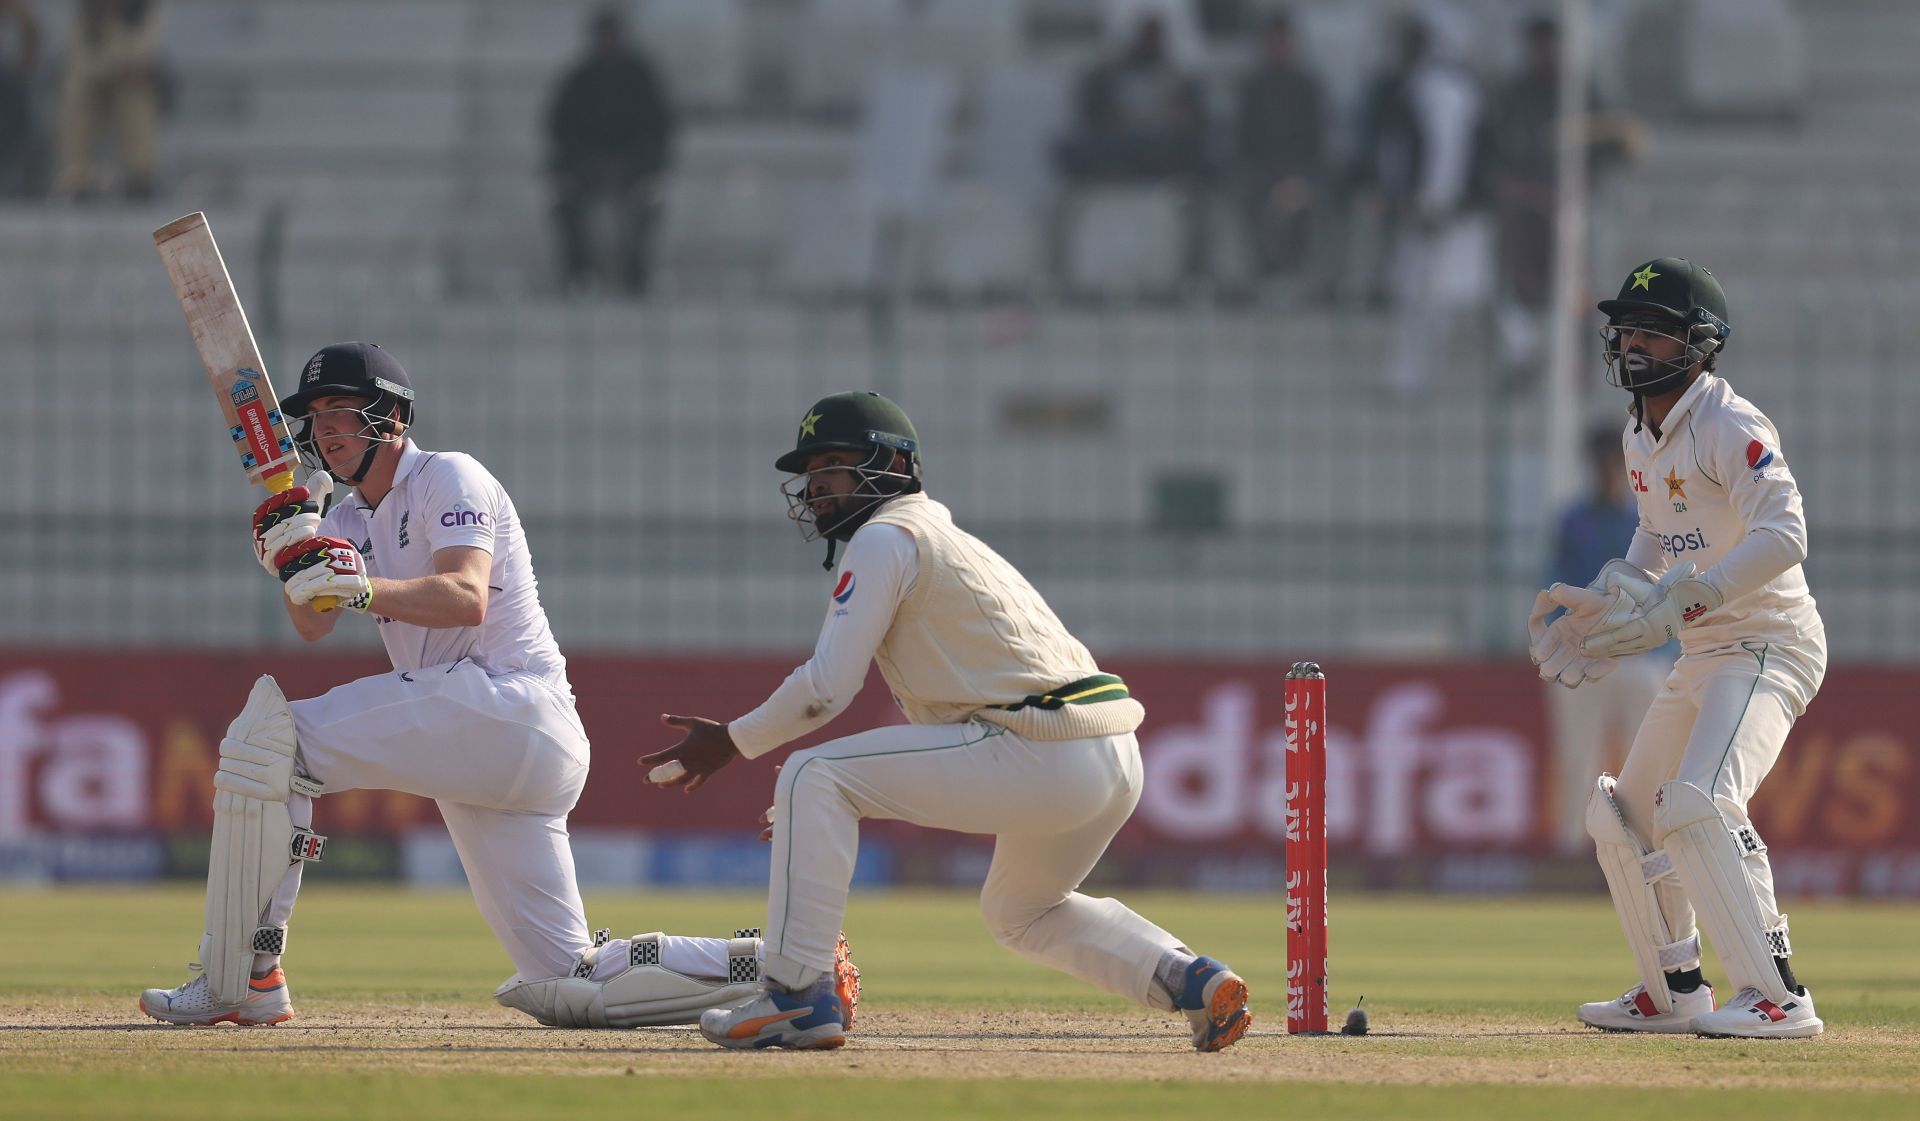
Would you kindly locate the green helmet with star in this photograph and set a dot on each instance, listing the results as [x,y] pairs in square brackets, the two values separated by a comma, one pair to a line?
[1674,288]
[856,421]
[1675,297]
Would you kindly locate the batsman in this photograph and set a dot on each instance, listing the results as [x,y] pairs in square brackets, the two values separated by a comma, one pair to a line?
[1715,562]
[1013,730]
[477,715]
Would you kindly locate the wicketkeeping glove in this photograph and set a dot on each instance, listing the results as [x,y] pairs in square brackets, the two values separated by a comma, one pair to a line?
[290,516]
[325,566]
[1555,647]
[1645,615]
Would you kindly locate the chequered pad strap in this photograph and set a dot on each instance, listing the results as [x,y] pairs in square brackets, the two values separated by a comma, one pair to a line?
[1656,866]
[1777,940]
[1674,955]
[602,936]
[270,940]
[1748,842]
[747,932]
[306,845]
[743,967]
[643,951]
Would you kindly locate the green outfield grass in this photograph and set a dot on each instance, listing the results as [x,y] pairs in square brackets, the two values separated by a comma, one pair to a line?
[1471,1006]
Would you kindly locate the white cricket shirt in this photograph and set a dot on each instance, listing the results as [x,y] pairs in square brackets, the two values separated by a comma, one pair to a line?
[1714,488]
[440,500]
[877,570]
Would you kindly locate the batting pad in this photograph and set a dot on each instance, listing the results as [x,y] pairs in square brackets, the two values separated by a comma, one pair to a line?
[1631,872]
[1711,861]
[254,839]
[645,994]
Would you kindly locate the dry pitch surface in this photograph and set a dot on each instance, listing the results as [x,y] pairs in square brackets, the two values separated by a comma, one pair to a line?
[1469,1002]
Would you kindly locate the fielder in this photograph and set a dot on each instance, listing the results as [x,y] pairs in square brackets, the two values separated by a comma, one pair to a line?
[1722,529]
[1015,732]
[477,715]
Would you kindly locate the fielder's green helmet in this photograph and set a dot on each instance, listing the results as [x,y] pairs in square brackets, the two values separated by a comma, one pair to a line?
[853,421]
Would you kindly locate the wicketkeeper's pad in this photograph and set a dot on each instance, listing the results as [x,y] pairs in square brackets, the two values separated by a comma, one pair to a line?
[1714,861]
[1631,872]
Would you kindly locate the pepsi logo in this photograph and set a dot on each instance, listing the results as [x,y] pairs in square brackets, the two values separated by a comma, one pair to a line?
[843,591]
[1757,455]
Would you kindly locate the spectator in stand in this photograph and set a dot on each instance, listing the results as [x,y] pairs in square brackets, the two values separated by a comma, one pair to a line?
[1281,147]
[1380,175]
[610,131]
[19,59]
[1594,725]
[1422,165]
[1524,153]
[1138,116]
[111,74]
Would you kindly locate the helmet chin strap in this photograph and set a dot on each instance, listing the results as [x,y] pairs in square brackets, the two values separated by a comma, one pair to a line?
[366,464]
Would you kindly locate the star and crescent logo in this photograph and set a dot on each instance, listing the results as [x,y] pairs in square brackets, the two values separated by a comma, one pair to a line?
[1644,279]
[806,426]
[1676,486]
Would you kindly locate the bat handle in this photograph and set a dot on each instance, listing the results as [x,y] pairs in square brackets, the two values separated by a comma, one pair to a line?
[279,484]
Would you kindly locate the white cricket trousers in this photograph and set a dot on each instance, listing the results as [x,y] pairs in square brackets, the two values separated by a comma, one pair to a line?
[1593,727]
[1719,723]
[1052,808]
[504,757]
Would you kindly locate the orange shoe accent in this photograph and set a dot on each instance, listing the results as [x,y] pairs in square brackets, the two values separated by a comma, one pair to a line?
[1228,999]
[1232,1035]
[846,981]
[747,1029]
[273,980]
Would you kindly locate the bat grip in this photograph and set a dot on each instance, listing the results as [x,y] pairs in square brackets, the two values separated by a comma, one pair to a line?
[279,484]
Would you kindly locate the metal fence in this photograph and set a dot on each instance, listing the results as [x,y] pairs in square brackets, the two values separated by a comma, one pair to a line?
[1186,479]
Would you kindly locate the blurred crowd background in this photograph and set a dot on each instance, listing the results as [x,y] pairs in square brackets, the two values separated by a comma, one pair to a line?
[1231,322]
[1226,319]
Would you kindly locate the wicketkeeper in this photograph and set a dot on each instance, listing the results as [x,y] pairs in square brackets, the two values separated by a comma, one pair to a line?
[1715,562]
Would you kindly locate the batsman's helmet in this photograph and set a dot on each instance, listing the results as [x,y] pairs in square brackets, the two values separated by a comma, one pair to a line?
[351,369]
[1671,296]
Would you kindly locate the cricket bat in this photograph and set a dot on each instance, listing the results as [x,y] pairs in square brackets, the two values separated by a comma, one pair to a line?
[225,341]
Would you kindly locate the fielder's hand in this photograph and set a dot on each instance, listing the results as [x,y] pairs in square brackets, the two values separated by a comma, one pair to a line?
[290,516]
[706,748]
[1645,615]
[325,566]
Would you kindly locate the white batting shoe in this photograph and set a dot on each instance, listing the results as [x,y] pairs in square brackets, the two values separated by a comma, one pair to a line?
[1634,1011]
[1751,1015]
[267,1002]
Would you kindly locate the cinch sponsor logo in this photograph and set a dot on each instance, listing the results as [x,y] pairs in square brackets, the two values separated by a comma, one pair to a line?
[1677,543]
[459,516]
[843,591]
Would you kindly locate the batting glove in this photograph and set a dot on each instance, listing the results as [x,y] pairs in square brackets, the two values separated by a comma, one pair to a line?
[290,516]
[325,566]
